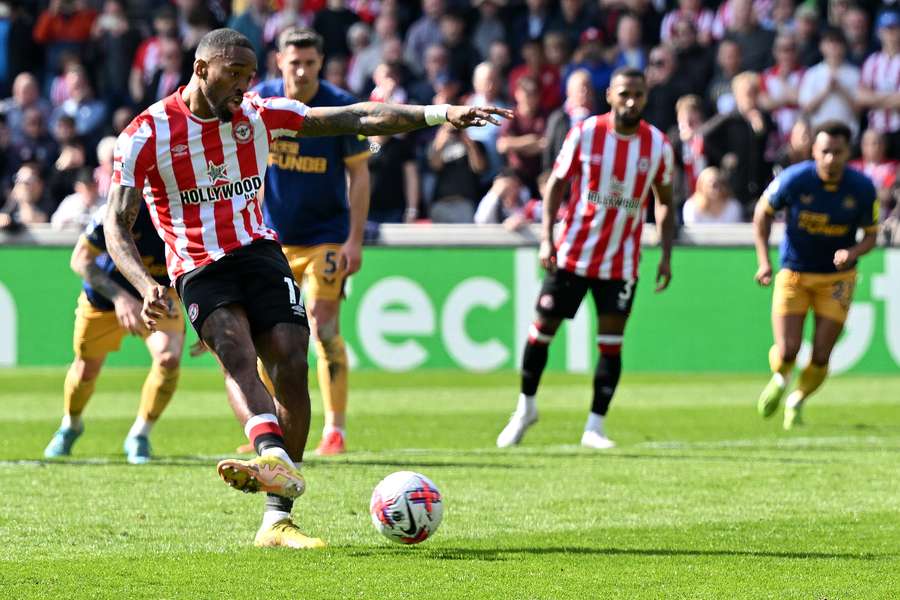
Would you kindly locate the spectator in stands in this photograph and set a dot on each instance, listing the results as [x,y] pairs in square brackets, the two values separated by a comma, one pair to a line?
[64,25]
[170,73]
[487,87]
[27,203]
[387,85]
[88,112]
[366,60]
[780,83]
[781,18]
[332,23]
[505,199]
[26,94]
[695,61]
[359,39]
[875,163]
[728,65]
[196,19]
[573,19]
[292,14]
[687,143]
[146,58]
[104,171]
[628,50]
[754,41]
[545,75]
[798,148]
[501,57]
[122,116]
[457,162]
[533,25]
[335,72]
[879,89]
[18,51]
[828,89]
[489,27]
[462,55]
[113,44]
[590,56]
[736,142]
[557,51]
[34,144]
[76,209]
[578,106]
[712,203]
[855,25]
[522,138]
[437,66]
[72,157]
[423,34]
[252,23]
[693,12]
[806,27]
[394,180]
[664,88]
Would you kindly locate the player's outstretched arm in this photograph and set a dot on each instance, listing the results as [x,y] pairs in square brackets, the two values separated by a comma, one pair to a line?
[124,203]
[665,227]
[762,229]
[376,118]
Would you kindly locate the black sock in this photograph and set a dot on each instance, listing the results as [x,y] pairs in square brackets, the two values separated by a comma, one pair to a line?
[606,378]
[534,359]
[276,502]
[267,440]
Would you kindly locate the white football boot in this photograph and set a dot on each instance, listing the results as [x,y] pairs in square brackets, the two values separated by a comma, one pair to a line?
[597,441]
[515,430]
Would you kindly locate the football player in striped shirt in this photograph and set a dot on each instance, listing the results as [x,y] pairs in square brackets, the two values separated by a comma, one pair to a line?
[197,158]
[613,161]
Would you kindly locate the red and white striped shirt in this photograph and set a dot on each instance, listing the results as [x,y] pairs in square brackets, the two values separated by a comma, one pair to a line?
[201,177]
[703,22]
[611,177]
[881,73]
[777,88]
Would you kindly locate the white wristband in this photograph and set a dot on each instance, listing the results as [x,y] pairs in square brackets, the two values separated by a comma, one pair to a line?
[436,114]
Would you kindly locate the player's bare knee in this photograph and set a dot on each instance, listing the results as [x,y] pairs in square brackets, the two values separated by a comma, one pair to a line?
[820,357]
[87,369]
[168,360]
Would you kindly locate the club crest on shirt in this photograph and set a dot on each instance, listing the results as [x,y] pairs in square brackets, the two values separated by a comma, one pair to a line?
[193,312]
[242,132]
[217,173]
[643,165]
[849,202]
[806,198]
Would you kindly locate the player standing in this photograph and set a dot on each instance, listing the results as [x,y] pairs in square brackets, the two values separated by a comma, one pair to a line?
[109,308]
[307,189]
[200,156]
[613,161]
[825,202]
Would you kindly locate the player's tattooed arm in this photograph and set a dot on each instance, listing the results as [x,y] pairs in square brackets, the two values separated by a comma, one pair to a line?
[124,203]
[82,262]
[378,118]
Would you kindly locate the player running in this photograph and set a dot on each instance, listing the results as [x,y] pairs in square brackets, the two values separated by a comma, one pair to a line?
[306,203]
[109,308]
[200,156]
[613,161]
[825,202]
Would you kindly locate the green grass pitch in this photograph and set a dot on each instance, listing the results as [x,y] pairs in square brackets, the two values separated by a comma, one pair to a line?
[702,498]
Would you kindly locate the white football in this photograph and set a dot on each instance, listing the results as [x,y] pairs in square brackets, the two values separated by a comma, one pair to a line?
[406,507]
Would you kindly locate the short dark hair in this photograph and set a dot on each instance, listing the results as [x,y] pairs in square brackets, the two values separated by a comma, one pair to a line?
[834,128]
[221,39]
[628,73]
[86,176]
[833,34]
[301,38]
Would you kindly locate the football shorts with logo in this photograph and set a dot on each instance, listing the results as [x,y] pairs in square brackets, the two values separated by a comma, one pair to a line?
[98,332]
[828,294]
[256,277]
[562,293]
[316,269]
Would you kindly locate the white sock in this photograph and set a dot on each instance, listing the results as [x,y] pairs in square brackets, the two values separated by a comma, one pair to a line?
[270,517]
[594,423]
[779,379]
[527,405]
[279,452]
[141,427]
[72,422]
[329,428]
[794,399]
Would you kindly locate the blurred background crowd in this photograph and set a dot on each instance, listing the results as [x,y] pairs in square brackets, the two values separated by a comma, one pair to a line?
[737,85]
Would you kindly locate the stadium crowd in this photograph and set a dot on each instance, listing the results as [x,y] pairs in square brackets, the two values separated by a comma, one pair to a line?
[738,86]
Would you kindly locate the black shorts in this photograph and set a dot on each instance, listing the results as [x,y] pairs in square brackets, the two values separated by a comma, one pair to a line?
[257,277]
[563,291]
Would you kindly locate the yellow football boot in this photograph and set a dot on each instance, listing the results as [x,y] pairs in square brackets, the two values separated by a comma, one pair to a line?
[262,474]
[285,534]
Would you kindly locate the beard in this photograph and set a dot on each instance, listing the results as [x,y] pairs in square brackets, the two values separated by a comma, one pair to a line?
[224,114]
[628,121]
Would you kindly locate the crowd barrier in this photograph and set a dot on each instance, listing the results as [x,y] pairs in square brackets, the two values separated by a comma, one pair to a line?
[462,297]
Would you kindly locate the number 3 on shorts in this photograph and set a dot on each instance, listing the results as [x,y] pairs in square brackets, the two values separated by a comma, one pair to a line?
[625,294]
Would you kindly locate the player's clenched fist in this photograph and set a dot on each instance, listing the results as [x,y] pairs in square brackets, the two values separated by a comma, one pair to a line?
[547,255]
[843,259]
[156,306]
[763,275]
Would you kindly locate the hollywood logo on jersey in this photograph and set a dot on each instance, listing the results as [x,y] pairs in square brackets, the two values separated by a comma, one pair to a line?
[221,187]
[615,197]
